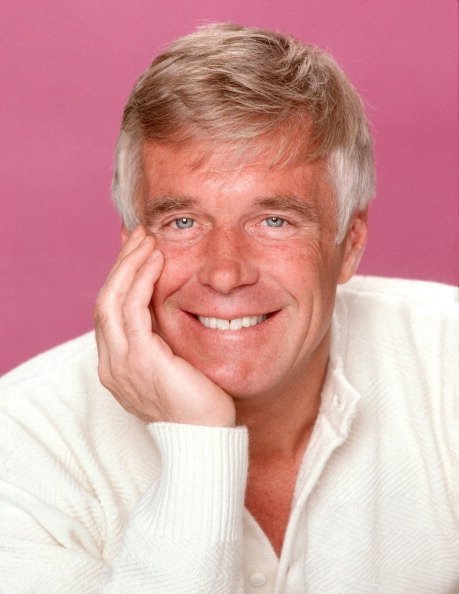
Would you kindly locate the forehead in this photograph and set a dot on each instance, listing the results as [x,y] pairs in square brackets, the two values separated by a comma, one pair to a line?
[168,169]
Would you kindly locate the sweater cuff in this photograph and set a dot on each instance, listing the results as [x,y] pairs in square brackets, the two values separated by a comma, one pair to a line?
[201,490]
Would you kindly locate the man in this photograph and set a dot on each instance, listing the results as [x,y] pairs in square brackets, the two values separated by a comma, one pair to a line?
[274,435]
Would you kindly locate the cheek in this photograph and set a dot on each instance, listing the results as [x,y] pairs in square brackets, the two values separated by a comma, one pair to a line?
[308,271]
[305,261]
[323,258]
[178,269]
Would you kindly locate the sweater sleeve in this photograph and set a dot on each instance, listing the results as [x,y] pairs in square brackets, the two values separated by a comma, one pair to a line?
[185,534]
[50,537]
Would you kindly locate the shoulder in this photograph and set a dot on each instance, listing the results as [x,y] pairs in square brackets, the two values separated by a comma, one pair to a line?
[70,363]
[57,390]
[407,329]
[53,407]
[406,307]
[59,426]
[408,293]
[59,393]
[398,340]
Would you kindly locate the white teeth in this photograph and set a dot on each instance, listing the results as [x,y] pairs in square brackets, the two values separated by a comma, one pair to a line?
[236,324]
[246,322]
[223,324]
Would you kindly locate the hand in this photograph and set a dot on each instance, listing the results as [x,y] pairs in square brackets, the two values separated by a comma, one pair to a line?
[136,365]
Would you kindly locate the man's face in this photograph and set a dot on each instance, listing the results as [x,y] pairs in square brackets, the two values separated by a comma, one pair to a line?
[254,245]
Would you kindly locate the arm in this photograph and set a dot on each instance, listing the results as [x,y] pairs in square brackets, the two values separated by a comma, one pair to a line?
[186,532]
[54,533]
[50,537]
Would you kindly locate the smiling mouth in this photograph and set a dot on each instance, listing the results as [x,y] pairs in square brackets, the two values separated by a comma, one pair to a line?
[235,324]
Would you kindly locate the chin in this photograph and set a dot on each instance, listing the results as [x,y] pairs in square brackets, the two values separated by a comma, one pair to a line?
[239,379]
[234,383]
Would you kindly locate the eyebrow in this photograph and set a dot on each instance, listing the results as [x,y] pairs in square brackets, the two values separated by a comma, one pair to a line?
[164,204]
[289,204]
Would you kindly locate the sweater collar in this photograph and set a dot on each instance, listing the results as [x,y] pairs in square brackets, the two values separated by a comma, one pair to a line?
[339,398]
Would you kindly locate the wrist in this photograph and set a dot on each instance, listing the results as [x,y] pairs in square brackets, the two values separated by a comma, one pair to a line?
[203,479]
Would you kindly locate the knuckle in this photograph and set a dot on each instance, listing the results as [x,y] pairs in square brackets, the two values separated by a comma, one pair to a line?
[101,296]
[130,306]
[130,327]
[100,312]
[137,365]
[105,376]
[120,373]
[101,318]
[129,407]
[160,346]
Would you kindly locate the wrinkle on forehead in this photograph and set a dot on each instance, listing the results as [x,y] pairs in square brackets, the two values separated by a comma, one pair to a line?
[288,145]
[214,160]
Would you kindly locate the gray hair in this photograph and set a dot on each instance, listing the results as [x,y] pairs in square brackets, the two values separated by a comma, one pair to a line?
[249,88]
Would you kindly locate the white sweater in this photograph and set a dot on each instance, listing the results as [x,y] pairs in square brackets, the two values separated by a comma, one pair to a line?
[92,499]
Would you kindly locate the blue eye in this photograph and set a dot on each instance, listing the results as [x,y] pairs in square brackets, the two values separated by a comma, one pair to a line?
[184,223]
[275,221]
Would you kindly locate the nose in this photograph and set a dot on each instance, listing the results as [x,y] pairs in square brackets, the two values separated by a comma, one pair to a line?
[227,261]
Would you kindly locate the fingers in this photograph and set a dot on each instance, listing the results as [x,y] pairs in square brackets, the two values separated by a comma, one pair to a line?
[119,282]
[133,241]
[112,315]
[123,274]
[135,309]
[125,342]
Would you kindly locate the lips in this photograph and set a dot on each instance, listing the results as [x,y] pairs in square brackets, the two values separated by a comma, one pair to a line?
[231,324]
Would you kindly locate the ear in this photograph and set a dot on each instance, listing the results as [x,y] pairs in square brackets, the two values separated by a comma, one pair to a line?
[353,246]
[124,235]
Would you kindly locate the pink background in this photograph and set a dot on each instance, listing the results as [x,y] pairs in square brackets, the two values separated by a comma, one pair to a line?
[68,70]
